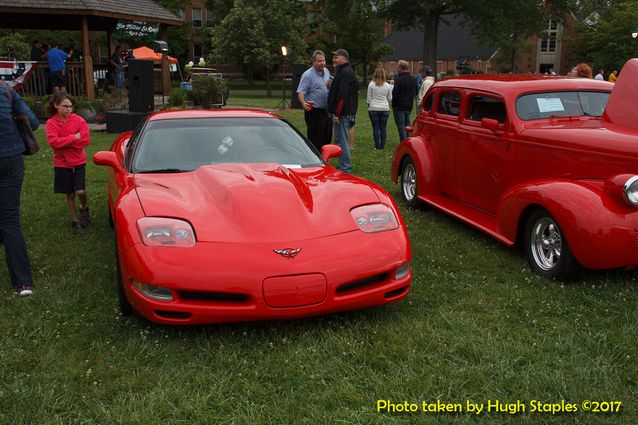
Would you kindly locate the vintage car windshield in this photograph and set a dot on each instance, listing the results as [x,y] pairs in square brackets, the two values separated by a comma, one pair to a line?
[177,145]
[537,106]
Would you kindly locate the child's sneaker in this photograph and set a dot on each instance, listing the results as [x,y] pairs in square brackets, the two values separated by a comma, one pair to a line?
[85,217]
[24,290]
[75,225]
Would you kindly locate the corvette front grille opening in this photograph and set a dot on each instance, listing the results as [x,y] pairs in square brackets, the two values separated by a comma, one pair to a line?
[226,297]
[173,314]
[362,283]
[396,292]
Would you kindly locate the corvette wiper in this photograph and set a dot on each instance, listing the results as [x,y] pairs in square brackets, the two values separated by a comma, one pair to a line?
[163,170]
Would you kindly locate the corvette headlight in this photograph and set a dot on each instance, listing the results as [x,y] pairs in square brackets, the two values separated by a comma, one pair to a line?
[374,218]
[630,190]
[155,292]
[160,231]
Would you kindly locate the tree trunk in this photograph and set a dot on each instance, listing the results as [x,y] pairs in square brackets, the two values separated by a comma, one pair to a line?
[513,66]
[268,87]
[430,35]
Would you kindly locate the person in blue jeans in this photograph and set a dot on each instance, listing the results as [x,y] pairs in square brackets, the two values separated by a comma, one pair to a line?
[403,95]
[379,98]
[342,105]
[11,178]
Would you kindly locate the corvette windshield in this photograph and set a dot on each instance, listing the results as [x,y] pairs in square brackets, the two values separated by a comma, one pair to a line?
[538,106]
[178,145]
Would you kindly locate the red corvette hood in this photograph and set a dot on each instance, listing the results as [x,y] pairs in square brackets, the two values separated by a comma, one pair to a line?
[256,202]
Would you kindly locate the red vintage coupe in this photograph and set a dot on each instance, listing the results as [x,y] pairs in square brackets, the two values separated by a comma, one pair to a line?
[231,215]
[549,162]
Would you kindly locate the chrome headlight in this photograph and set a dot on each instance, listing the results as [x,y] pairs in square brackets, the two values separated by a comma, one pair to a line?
[630,191]
[374,218]
[160,231]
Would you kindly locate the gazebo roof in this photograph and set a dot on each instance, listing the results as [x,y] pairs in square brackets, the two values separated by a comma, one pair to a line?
[100,13]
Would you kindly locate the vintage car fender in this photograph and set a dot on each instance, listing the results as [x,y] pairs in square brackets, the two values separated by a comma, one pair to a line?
[588,215]
[420,150]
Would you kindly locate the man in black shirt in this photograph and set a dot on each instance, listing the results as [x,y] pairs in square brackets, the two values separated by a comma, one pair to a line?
[403,95]
[343,101]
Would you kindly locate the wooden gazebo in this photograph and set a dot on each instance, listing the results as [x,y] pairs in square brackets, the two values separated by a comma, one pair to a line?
[85,16]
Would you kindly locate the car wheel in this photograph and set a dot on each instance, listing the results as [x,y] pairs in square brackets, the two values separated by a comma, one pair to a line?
[125,307]
[409,183]
[547,249]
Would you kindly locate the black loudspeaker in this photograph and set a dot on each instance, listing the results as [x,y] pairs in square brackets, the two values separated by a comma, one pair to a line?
[141,96]
[120,121]
[297,70]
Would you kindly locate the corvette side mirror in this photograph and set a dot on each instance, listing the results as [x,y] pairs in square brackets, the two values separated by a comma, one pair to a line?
[409,129]
[330,151]
[109,159]
[490,123]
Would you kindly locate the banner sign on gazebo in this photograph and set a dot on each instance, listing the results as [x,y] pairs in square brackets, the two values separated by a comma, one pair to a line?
[16,73]
[137,29]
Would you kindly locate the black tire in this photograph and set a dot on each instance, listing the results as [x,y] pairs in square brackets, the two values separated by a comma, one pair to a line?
[125,307]
[408,183]
[547,250]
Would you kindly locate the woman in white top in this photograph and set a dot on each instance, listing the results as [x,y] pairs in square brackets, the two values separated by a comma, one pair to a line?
[379,98]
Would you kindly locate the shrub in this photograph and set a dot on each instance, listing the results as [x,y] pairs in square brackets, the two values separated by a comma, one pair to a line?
[208,90]
[177,97]
[116,100]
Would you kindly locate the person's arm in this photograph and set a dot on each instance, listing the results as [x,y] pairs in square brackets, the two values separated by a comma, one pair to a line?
[21,108]
[54,139]
[82,138]
[302,89]
[389,96]
[343,87]
[369,95]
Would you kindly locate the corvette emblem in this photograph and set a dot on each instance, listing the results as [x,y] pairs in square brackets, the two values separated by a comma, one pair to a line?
[289,253]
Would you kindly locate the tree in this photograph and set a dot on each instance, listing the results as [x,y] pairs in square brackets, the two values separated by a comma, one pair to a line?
[425,15]
[358,27]
[608,44]
[506,24]
[252,33]
[15,46]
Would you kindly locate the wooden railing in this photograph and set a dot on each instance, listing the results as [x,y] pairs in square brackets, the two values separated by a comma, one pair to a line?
[39,83]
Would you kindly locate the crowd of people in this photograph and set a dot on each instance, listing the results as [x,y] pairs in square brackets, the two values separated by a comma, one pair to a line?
[330,102]
[57,57]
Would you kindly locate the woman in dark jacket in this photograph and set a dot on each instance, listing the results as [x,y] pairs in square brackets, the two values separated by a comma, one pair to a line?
[11,178]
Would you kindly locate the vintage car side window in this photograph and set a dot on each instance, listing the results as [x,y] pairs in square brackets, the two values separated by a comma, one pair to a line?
[535,106]
[486,107]
[427,103]
[449,103]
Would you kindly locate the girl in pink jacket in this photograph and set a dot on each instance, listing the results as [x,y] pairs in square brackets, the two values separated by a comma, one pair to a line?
[68,135]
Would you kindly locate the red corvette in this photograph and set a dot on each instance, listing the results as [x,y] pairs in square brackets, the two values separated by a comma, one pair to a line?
[550,162]
[231,215]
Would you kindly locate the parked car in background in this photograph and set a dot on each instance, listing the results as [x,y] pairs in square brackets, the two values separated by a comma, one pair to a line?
[549,162]
[231,215]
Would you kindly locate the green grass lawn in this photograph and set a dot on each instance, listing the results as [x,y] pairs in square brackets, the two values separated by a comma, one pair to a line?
[477,326]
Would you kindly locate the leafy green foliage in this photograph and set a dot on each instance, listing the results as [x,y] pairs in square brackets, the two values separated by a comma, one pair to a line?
[609,44]
[16,45]
[208,90]
[358,27]
[177,97]
[252,33]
